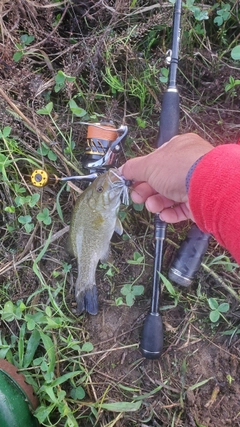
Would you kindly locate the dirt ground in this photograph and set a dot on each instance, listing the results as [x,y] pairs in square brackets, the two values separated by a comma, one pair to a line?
[196,382]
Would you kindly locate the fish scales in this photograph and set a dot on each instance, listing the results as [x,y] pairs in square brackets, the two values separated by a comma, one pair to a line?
[93,223]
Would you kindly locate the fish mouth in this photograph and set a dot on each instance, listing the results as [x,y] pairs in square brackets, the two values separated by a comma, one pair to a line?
[120,178]
[118,182]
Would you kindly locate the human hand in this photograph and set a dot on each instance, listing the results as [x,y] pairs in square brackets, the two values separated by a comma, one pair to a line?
[160,177]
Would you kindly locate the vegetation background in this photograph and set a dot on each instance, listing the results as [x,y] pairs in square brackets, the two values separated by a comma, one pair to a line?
[63,62]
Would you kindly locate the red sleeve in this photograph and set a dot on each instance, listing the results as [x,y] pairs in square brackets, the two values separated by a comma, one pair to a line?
[214,196]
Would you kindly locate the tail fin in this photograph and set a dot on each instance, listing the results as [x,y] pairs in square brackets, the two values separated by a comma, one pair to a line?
[87,300]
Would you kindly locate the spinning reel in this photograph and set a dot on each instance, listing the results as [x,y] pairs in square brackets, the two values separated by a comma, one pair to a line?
[104,142]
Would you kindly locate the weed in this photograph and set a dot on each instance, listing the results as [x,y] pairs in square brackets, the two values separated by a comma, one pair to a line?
[45,150]
[222,14]
[230,87]
[130,292]
[44,216]
[217,309]
[199,14]
[60,79]
[164,75]
[26,220]
[76,110]
[137,259]
[230,379]
[26,40]
[172,291]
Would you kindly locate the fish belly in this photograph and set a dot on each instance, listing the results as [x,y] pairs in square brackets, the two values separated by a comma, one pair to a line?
[90,249]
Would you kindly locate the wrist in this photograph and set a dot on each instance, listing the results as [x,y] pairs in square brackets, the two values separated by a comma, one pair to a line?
[190,172]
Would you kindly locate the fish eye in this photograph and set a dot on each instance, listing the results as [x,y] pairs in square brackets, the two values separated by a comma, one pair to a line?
[100,189]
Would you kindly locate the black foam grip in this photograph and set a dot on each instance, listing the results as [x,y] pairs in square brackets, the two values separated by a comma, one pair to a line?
[189,257]
[169,120]
[151,344]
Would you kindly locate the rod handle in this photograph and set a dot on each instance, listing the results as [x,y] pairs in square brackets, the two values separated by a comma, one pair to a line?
[169,119]
[189,257]
[151,343]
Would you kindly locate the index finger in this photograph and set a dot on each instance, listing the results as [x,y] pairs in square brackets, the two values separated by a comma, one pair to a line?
[135,169]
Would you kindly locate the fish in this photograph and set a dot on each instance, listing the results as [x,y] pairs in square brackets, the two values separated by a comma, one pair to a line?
[94,220]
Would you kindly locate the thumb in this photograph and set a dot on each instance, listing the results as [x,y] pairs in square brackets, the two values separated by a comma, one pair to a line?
[135,169]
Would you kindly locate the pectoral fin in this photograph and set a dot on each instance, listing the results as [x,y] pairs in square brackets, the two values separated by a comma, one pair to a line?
[118,227]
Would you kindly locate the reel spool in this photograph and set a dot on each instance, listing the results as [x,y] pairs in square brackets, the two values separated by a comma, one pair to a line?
[103,143]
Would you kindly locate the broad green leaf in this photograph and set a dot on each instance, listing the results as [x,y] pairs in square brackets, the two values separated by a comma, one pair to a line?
[6,131]
[10,209]
[42,412]
[29,227]
[52,156]
[224,307]
[43,150]
[213,304]
[48,311]
[138,207]
[24,219]
[44,216]
[130,299]
[214,316]
[34,199]
[46,110]
[218,20]
[26,39]
[17,56]
[200,15]
[235,53]
[77,393]
[75,109]
[31,324]
[87,347]
[137,289]
[126,289]
[60,78]
[19,201]
[8,311]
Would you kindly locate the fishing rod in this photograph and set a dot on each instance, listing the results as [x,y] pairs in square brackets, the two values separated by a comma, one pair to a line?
[151,344]
[188,258]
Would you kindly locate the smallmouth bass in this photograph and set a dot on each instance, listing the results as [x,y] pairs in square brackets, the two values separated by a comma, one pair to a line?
[93,223]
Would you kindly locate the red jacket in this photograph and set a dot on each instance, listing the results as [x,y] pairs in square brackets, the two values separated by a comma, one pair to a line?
[214,196]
